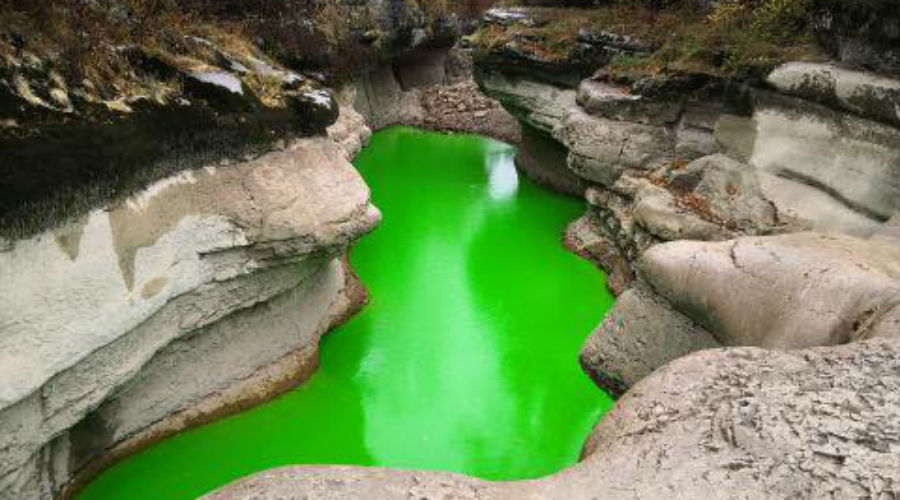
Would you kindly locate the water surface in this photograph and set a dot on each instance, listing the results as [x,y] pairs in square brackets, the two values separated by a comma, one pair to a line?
[465,360]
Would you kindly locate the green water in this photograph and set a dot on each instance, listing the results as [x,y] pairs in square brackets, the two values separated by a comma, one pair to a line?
[465,360]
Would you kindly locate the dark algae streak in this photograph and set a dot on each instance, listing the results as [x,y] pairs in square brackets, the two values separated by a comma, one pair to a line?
[465,360]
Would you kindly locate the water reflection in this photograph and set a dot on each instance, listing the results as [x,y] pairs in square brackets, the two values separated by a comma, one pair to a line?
[503,179]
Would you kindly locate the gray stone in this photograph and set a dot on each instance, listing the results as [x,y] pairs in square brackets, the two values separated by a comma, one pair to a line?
[693,142]
[854,160]
[740,422]
[168,286]
[591,238]
[420,68]
[655,209]
[640,334]
[861,92]
[616,103]
[730,192]
[507,17]
[808,207]
[735,136]
[382,101]
[788,291]
[600,150]
[543,160]
[540,105]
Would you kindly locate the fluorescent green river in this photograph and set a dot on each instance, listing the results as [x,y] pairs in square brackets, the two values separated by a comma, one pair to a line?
[465,360]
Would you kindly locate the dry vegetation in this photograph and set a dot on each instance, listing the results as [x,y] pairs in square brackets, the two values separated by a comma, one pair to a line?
[734,36]
[84,38]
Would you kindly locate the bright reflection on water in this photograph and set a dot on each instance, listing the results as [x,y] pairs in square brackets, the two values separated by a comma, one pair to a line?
[503,180]
[466,358]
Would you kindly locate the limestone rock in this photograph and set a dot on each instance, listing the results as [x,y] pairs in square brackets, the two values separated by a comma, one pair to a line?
[104,320]
[752,423]
[382,101]
[540,105]
[735,136]
[740,422]
[507,17]
[693,142]
[655,208]
[543,160]
[860,92]
[588,238]
[788,291]
[730,193]
[640,334]
[600,150]
[617,103]
[856,161]
[809,207]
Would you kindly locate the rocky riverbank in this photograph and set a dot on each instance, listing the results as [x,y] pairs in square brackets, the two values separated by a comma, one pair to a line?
[150,224]
[749,224]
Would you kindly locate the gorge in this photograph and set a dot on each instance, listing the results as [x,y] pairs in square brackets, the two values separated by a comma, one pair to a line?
[448,366]
[177,212]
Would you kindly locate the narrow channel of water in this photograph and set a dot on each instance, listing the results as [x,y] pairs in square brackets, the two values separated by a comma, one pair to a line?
[465,360]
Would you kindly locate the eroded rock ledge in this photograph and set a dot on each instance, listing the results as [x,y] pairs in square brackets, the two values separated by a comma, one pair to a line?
[107,314]
[172,285]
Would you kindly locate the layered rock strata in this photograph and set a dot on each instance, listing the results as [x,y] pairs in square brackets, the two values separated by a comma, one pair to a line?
[225,276]
[814,149]
[433,89]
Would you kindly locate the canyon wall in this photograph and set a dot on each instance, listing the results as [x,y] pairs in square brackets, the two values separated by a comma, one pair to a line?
[198,296]
[749,226]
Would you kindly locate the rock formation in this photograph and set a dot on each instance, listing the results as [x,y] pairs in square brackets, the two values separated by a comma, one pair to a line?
[748,223]
[750,230]
[170,285]
[146,236]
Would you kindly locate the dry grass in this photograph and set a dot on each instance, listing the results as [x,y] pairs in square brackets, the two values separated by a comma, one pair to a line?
[735,37]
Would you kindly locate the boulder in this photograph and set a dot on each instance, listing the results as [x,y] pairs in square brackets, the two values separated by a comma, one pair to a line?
[788,291]
[729,191]
[655,208]
[751,423]
[640,334]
